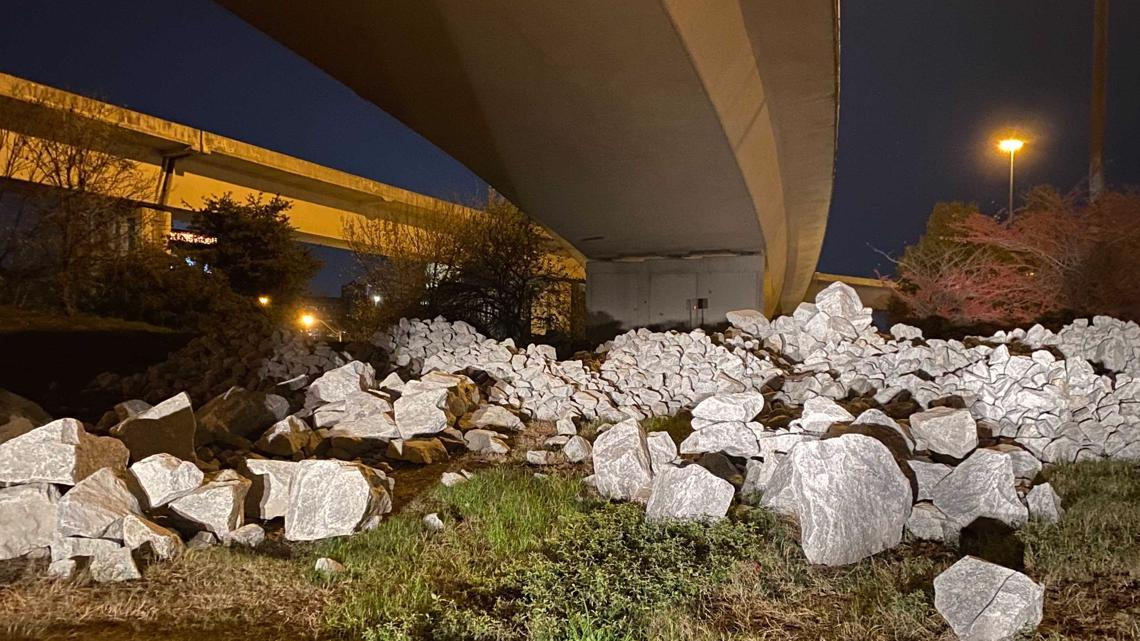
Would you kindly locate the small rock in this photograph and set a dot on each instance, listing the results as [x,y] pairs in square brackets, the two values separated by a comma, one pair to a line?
[820,413]
[662,450]
[334,385]
[986,602]
[944,430]
[114,566]
[621,463]
[163,477]
[565,426]
[541,457]
[740,407]
[485,442]
[135,532]
[1044,504]
[249,535]
[288,437]
[62,569]
[928,523]
[451,479]
[433,522]
[496,417]
[325,565]
[268,496]
[28,518]
[577,449]
[202,540]
[423,451]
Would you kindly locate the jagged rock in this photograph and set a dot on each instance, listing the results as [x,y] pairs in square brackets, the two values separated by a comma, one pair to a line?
[927,476]
[249,535]
[114,566]
[496,417]
[662,450]
[688,493]
[134,532]
[757,474]
[1026,466]
[945,431]
[334,498]
[541,457]
[217,506]
[928,523]
[325,565]
[91,507]
[168,427]
[74,547]
[423,451]
[577,449]
[848,494]
[485,442]
[981,486]
[426,411]
[748,320]
[163,478]
[451,479]
[240,412]
[336,384]
[556,441]
[821,413]
[28,518]
[903,332]
[202,540]
[392,382]
[1044,504]
[740,407]
[62,569]
[268,497]
[288,437]
[732,438]
[986,602]
[622,467]
[565,426]
[433,522]
[19,415]
[60,452]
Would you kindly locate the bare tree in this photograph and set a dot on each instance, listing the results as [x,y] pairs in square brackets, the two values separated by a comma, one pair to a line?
[69,202]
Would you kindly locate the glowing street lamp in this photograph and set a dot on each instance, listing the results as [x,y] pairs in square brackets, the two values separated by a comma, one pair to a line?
[263,301]
[1011,146]
[309,320]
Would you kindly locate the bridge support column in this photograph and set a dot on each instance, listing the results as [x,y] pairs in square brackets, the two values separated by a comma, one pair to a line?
[677,293]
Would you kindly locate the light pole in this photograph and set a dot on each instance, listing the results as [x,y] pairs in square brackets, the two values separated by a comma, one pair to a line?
[1011,145]
[308,320]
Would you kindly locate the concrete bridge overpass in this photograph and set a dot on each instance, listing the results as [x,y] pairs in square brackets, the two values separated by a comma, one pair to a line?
[185,165]
[685,147]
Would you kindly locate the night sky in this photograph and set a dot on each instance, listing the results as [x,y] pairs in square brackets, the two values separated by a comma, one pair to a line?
[927,86]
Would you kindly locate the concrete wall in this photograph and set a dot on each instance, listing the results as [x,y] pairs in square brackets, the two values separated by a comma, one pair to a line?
[664,292]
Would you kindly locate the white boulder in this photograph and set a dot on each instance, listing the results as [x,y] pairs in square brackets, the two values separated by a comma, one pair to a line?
[986,602]
[60,452]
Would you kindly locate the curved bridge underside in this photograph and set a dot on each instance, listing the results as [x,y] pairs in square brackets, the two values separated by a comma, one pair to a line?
[638,130]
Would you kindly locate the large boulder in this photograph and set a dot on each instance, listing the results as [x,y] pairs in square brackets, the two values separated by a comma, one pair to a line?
[168,427]
[732,438]
[821,413]
[114,566]
[336,384]
[288,437]
[334,498]
[217,506]
[688,493]
[91,507]
[424,410]
[945,430]
[28,518]
[981,486]
[60,452]
[485,442]
[740,407]
[240,412]
[136,532]
[986,602]
[848,494]
[622,465]
[163,478]
[268,498]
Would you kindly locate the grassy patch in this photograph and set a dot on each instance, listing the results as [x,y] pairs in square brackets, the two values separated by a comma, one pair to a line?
[679,426]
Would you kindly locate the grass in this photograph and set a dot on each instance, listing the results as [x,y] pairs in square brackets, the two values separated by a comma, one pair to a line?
[679,426]
[16,319]
[537,558]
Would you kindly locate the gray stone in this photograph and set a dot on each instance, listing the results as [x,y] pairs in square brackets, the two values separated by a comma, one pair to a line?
[981,486]
[945,430]
[496,417]
[114,566]
[268,497]
[662,450]
[217,506]
[565,426]
[28,518]
[325,565]
[451,479]
[986,602]
[202,540]
[336,384]
[1026,466]
[732,438]
[902,332]
[485,442]
[74,547]
[334,498]
[134,532]
[928,475]
[757,474]
[848,494]
[287,437]
[688,493]
[164,477]
[433,522]
[423,412]
[820,413]
[740,407]
[556,441]
[541,457]
[91,507]
[62,569]
[577,449]
[928,523]
[249,535]
[392,382]
[1044,504]
[168,427]
[60,452]
[622,467]
[240,412]
[748,320]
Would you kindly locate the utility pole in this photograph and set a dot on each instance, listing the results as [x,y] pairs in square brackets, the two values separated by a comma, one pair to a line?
[1097,104]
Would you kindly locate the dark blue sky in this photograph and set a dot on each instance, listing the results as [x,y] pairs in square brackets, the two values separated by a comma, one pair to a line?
[926,85]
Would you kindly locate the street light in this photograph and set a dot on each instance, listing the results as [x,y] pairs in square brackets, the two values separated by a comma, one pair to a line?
[263,301]
[1011,146]
[308,320]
